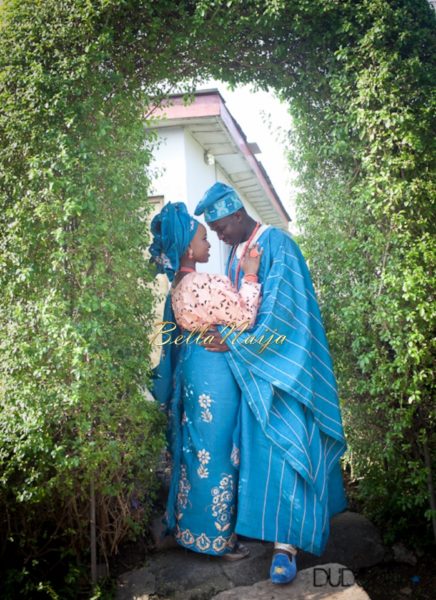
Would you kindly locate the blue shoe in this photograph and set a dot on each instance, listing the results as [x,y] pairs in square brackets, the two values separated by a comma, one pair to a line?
[283,567]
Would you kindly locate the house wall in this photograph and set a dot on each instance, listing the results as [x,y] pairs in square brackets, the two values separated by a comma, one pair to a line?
[200,177]
[169,163]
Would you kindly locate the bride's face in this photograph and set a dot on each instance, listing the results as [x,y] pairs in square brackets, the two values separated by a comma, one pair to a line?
[199,245]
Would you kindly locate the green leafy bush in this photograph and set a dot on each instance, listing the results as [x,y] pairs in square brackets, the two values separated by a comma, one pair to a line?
[366,158]
[75,307]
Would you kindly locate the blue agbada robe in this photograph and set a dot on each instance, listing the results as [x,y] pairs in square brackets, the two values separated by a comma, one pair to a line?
[291,430]
[289,424]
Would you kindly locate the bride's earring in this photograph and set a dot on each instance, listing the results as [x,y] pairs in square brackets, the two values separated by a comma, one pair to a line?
[190,253]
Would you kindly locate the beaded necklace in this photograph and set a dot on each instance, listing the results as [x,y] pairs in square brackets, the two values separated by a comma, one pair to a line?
[232,258]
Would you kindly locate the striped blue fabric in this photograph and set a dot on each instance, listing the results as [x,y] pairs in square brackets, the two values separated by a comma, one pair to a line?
[292,435]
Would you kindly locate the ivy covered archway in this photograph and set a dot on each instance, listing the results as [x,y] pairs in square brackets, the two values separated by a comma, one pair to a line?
[77,78]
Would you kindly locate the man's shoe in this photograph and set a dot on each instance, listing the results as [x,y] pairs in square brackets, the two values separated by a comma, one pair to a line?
[283,567]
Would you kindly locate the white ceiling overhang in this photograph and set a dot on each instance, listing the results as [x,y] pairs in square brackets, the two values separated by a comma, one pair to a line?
[221,136]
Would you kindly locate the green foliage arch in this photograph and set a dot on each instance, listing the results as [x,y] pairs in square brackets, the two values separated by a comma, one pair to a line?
[77,78]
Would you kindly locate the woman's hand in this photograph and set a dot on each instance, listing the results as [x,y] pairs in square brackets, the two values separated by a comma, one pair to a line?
[217,345]
[251,261]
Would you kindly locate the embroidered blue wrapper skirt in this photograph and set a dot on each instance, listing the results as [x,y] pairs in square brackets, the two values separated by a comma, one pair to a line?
[206,496]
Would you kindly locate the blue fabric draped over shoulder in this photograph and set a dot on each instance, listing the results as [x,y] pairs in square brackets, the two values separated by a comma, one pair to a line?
[167,389]
[291,393]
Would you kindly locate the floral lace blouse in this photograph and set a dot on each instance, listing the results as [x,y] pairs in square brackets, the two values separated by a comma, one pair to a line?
[201,299]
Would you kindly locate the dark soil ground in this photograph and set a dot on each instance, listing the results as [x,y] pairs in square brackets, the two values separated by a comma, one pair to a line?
[394,581]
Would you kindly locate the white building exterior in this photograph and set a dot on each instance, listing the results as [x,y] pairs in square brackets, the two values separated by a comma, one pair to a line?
[200,144]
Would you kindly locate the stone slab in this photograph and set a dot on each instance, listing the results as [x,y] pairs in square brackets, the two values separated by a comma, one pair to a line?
[180,574]
[310,584]
[136,585]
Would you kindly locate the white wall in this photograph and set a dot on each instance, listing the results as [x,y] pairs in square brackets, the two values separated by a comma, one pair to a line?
[200,177]
[169,161]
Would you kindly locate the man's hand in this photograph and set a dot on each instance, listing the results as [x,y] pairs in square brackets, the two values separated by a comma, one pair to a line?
[217,345]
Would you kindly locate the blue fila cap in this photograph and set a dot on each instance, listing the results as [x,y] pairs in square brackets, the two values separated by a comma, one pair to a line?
[218,202]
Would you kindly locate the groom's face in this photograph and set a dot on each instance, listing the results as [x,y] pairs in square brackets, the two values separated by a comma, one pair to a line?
[229,229]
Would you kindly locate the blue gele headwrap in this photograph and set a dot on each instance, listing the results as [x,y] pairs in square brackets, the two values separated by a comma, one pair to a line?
[218,202]
[172,229]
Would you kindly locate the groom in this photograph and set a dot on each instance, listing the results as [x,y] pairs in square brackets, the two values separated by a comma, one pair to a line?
[291,430]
